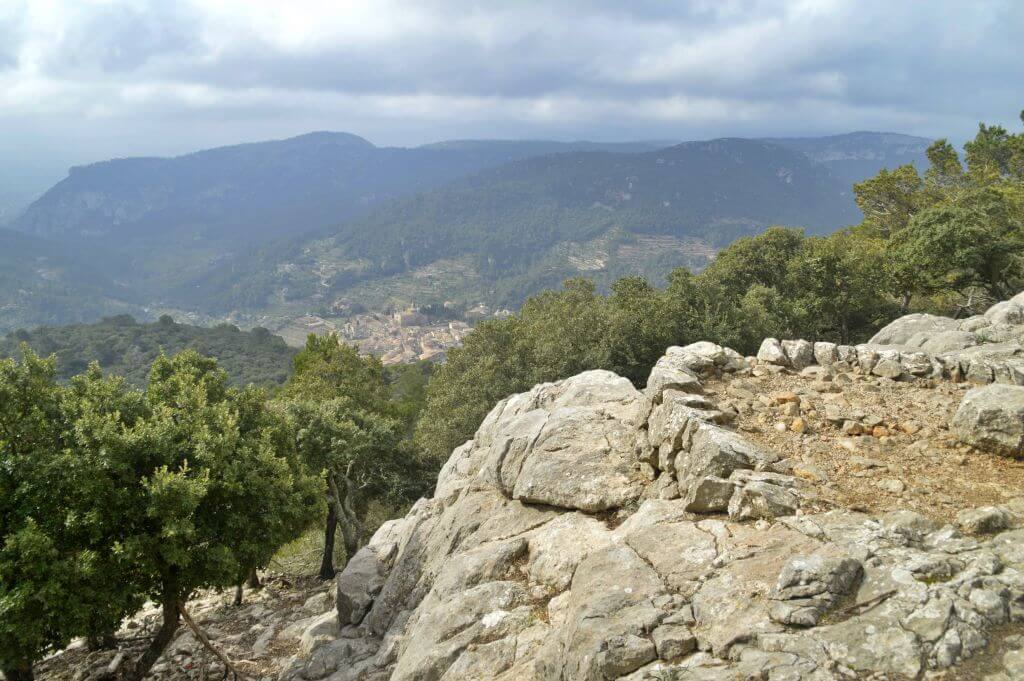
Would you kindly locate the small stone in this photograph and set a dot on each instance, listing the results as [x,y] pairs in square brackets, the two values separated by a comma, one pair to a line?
[910,427]
[785,396]
[892,485]
[852,428]
[872,420]
[781,427]
[798,425]
[833,414]
[880,431]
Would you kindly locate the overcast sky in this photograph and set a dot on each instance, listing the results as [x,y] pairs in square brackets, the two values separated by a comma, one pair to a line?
[85,80]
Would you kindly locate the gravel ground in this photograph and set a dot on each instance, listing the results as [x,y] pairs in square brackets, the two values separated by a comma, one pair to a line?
[896,451]
[258,637]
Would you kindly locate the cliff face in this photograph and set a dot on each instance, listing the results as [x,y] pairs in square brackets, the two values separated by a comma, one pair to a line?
[594,531]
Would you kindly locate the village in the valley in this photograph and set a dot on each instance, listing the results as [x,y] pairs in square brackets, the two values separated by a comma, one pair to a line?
[398,337]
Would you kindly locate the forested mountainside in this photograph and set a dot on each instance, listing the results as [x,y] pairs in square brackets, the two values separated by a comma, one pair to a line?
[45,282]
[125,347]
[303,224]
[858,155]
[513,230]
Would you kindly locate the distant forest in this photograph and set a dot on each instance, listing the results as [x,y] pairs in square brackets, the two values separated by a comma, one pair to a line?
[127,348]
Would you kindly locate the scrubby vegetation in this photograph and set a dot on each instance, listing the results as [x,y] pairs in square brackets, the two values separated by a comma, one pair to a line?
[112,495]
[126,347]
[950,241]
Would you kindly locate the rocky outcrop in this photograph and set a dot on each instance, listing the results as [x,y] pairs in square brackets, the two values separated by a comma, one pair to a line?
[992,418]
[593,531]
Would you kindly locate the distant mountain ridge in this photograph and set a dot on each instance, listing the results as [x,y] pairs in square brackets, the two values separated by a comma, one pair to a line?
[855,156]
[299,223]
[517,228]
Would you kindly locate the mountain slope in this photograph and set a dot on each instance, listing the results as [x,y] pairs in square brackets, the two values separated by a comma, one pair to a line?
[858,155]
[172,219]
[43,282]
[527,224]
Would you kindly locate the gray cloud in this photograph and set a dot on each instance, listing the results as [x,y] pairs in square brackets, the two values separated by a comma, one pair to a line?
[160,76]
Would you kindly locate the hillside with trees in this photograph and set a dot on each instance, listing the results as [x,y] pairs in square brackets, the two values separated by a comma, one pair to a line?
[125,347]
[514,230]
[294,226]
[947,240]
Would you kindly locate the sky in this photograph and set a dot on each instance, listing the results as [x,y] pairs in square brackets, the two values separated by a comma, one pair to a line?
[85,80]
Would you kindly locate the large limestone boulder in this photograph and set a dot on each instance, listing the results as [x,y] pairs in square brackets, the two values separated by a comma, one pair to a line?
[992,418]
[1007,312]
[900,331]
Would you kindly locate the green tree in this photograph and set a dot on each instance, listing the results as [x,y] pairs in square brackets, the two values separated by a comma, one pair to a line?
[207,494]
[889,200]
[347,429]
[61,574]
[489,366]
[360,455]
[975,242]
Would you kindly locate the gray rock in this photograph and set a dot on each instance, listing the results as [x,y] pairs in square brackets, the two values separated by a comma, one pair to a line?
[710,494]
[887,368]
[672,641]
[799,352]
[762,500]
[867,356]
[361,580]
[826,354]
[975,323]
[984,520]
[901,330]
[1006,312]
[711,451]
[500,576]
[670,371]
[771,352]
[947,341]
[992,418]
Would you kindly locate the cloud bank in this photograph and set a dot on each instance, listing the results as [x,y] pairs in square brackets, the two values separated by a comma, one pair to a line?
[99,78]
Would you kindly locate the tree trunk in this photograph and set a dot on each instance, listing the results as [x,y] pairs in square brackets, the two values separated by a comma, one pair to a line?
[327,564]
[254,580]
[355,528]
[905,304]
[105,641]
[171,619]
[238,594]
[22,672]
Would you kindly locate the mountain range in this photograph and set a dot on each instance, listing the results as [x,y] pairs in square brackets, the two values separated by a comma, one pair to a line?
[312,223]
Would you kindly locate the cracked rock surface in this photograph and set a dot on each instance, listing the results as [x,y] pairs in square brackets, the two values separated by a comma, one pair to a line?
[593,531]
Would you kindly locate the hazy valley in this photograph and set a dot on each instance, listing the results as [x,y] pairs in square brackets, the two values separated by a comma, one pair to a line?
[325,230]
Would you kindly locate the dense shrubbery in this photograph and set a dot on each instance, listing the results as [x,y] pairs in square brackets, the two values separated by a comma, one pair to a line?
[951,241]
[125,347]
[110,495]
